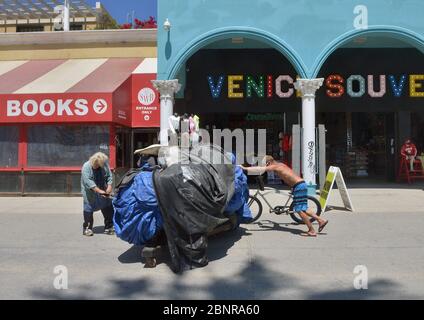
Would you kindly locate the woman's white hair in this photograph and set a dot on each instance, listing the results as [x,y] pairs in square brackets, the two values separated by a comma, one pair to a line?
[99,158]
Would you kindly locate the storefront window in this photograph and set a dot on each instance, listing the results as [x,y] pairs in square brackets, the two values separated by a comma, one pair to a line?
[10,182]
[9,143]
[123,148]
[65,146]
[417,131]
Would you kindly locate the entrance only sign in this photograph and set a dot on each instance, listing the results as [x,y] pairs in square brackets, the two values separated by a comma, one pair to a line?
[335,175]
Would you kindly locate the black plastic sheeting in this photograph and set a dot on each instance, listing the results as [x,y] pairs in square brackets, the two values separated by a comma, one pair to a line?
[192,198]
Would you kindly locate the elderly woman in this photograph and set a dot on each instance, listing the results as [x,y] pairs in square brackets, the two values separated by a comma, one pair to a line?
[96,188]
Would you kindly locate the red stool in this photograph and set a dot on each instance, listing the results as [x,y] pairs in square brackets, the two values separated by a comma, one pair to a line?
[405,170]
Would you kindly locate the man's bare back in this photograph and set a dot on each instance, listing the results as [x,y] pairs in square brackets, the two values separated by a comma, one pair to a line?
[285,173]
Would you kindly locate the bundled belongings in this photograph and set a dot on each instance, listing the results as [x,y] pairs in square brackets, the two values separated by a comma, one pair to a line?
[137,216]
[238,204]
[193,194]
[187,199]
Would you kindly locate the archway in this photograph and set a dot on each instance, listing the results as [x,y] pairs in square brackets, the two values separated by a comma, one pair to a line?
[263,71]
[236,32]
[371,97]
[400,34]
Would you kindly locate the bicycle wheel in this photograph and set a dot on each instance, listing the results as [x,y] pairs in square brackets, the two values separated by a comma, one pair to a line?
[313,205]
[255,207]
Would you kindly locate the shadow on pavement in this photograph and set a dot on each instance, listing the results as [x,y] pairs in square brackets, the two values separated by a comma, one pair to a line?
[132,255]
[84,292]
[377,289]
[218,247]
[336,208]
[252,281]
[268,225]
[255,280]
[98,229]
[219,244]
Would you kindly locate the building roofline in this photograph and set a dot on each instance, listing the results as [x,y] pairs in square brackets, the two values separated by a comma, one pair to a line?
[78,37]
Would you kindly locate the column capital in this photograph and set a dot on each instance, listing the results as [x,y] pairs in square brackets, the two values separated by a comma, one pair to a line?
[308,87]
[167,88]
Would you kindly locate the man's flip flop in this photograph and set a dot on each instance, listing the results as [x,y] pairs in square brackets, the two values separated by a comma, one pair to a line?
[323,226]
[307,234]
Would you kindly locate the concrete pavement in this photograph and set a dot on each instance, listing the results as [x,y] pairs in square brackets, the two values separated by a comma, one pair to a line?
[267,260]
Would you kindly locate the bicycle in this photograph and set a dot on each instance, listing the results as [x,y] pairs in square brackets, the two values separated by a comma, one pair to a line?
[256,206]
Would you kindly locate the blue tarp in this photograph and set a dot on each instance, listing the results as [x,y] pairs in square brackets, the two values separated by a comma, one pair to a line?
[137,216]
[238,203]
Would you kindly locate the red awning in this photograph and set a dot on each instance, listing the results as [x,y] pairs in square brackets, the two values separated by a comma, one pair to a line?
[75,90]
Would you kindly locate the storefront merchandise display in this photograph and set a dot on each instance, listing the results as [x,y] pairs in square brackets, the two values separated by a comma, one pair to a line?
[356,163]
[174,123]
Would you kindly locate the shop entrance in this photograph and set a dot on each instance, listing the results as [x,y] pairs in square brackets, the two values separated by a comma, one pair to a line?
[278,128]
[230,87]
[362,144]
[142,138]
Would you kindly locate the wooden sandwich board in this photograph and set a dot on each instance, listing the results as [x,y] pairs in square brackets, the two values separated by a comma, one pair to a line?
[335,175]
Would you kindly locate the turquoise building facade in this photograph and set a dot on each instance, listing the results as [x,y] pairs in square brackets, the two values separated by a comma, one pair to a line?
[367,53]
[306,32]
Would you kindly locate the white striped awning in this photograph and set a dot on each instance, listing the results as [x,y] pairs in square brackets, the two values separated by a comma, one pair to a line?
[70,76]
[149,65]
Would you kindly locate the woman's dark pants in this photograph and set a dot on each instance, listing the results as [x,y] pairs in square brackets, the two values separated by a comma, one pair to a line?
[107,214]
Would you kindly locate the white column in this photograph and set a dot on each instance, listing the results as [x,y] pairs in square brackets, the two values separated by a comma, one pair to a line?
[307,88]
[66,23]
[167,90]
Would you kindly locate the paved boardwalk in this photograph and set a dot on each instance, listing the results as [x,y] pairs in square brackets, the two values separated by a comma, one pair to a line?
[267,260]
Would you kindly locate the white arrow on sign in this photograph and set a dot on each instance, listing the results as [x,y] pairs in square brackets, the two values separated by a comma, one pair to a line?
[100,106]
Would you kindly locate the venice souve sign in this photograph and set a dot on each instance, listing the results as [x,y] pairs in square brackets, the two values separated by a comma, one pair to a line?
[240,86]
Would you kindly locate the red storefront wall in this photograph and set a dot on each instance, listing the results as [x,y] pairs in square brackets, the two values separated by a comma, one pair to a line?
[134,104]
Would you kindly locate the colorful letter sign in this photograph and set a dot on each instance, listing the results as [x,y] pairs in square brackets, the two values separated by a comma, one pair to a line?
[263,86]
[233,85]
[414,85]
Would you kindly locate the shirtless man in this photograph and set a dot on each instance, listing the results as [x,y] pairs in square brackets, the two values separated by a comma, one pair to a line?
[300,191]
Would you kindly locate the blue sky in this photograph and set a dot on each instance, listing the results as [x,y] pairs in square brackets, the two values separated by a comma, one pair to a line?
[120,8]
